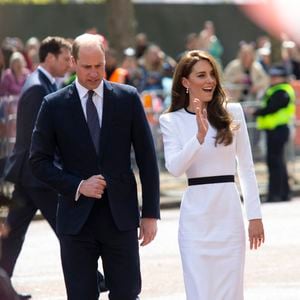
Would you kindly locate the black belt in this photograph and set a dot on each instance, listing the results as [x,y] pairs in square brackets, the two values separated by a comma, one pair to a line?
[210,179]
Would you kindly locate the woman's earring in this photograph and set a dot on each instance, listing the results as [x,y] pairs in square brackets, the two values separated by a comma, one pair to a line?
[187,90]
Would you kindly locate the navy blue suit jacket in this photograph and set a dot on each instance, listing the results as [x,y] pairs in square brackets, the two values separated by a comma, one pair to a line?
[61,123]
[17,169]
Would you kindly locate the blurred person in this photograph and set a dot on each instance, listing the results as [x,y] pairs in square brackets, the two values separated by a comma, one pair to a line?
[214,46]
[14,77]
[130,64]
[207,139]
[32,46]
[155,65]
[141,44]
[94,123]
[2,64]
[11,45]
[290,53]
[113,72]
[244,77]
[7,292]
[29,192]
[191,43]
[263,41]
[263,56]
[274,117]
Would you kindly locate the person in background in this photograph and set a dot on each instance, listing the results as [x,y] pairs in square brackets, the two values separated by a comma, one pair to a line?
[290,54]
[32,46]
[14,77]
[274,117]
[130,64]
[244,77]
[7,292]
[264,58]
[207,139]
[141,44]
[113,72]
[155,65]
[191,43]
[30,193]
[2,64]
[214,46]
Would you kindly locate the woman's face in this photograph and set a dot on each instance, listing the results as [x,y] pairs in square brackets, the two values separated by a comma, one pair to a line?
[201,82]
[17,66]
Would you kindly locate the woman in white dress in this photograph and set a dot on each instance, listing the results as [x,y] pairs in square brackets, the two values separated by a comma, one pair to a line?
[207,139]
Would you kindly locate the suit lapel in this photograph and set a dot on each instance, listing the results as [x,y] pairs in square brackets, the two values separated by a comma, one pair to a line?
[45,80]
[108,107]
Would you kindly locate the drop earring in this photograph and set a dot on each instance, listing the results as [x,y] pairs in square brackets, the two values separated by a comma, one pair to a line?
[187,90]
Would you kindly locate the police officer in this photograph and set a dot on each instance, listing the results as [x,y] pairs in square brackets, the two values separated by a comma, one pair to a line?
[275,115]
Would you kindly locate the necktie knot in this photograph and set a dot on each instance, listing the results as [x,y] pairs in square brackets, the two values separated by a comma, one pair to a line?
[90,94]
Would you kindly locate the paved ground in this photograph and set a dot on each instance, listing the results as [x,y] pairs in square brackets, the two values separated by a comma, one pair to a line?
[272,273]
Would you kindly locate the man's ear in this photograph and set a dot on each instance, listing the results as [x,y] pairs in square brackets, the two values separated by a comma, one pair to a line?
[185,82]
[73,60]
[49,58]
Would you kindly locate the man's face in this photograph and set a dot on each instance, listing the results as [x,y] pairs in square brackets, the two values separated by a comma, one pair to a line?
[90,66]
[61,63]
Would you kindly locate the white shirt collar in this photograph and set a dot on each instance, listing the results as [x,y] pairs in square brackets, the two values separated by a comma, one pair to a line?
[82,91]
[47,74]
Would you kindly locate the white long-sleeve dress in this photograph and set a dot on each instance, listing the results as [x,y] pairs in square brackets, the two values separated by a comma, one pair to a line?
[211,228]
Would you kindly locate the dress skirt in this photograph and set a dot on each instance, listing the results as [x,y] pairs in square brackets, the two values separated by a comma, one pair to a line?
[212,242]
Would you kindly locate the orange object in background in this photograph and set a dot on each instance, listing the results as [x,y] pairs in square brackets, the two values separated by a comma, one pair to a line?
[296,85]
[147,103]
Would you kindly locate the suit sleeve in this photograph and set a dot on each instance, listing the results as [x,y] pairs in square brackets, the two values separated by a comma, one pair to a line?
[146,161]
[178,157]
[28,109]
[246,171]
[43,148]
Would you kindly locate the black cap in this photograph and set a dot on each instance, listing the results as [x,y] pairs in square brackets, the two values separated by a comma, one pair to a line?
[278,70]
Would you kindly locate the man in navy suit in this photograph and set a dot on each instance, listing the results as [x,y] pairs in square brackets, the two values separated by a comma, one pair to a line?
[30,194]
[94,124]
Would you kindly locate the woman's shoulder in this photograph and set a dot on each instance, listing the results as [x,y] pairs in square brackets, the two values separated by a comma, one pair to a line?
[235,109]
[169,117]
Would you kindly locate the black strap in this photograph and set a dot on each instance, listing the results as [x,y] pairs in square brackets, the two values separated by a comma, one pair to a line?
[210,179]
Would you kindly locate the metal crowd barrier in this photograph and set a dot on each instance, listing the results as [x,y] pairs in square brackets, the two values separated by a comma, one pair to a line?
[8,113]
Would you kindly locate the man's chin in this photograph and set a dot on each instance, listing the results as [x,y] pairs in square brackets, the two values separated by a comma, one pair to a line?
[94,85]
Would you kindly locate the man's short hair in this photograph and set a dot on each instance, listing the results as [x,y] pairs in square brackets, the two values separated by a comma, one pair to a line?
[52,44]
[84,38]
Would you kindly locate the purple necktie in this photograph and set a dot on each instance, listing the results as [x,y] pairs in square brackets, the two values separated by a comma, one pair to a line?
[93,120]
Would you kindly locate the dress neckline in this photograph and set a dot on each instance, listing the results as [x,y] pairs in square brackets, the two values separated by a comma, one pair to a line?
[189,112]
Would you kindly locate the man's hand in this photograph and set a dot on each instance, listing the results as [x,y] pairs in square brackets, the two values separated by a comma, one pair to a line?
[93,187]
[148,230]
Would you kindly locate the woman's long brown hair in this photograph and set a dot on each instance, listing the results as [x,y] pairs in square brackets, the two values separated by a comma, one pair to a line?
[217,114]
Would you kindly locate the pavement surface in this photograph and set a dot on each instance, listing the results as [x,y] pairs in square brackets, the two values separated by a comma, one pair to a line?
[271,273]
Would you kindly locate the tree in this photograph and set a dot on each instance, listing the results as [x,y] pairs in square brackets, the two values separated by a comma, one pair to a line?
[121,24]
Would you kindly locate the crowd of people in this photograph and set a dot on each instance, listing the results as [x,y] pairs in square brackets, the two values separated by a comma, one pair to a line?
[66,95]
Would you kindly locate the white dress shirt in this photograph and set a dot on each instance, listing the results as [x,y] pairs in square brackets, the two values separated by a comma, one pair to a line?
[97,98]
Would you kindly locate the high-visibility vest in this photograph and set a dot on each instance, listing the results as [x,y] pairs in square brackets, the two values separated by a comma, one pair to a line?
[282,116]
[118,75]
